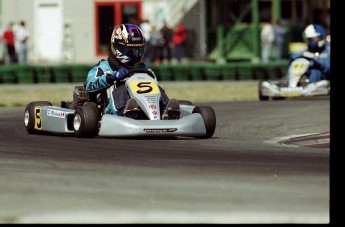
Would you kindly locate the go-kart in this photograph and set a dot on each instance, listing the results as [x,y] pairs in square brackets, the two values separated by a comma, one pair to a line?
[90,120]
[296,84]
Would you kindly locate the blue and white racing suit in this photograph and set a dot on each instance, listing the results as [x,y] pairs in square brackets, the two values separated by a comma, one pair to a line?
[99,78]
[321,69]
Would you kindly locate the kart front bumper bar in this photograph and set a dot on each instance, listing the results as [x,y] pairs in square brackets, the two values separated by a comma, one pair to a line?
[118,126]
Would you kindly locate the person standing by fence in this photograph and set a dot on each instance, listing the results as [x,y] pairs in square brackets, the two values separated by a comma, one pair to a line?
[9,40]
[279,33]
[2,47]
[155,45]
[166,42]
[267,38]
[146,27]
[22,36]
[179,38]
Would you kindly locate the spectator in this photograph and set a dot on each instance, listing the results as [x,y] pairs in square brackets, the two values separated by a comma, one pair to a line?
[279,33]
[166,42]
[155,45]
[22,35]
[8,38]
[2,47]
[179,38]
[147,28]
[267,38]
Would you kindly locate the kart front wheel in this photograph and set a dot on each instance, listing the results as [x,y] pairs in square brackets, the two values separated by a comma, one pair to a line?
[261,96]
[278,98]
[32,118]
[209,117]
[85,121]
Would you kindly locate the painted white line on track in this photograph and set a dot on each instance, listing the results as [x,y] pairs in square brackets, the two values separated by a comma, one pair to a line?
[173,217]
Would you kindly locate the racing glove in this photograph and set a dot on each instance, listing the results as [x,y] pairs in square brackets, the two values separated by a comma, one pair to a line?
[119,74]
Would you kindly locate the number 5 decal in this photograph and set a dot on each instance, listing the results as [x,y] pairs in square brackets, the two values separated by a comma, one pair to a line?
[146,87]
[38,121]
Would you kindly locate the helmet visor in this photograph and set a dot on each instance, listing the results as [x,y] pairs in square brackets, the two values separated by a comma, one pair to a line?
[132,52]
[313,40]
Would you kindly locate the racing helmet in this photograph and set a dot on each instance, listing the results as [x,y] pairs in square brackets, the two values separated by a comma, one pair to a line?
[128,44]
[314,36]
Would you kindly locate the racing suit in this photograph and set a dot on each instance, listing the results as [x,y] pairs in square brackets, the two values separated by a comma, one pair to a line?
[99,78]
[320,65]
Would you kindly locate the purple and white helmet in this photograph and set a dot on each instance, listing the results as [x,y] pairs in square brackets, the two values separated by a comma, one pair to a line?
[128,44]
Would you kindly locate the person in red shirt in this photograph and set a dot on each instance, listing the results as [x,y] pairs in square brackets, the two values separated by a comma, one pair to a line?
[179,38]
[8,38]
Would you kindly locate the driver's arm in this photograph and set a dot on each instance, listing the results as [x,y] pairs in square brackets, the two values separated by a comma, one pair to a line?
[99,77]
[325,63]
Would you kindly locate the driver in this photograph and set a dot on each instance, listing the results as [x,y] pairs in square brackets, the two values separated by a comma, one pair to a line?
[127,51]
[318,50]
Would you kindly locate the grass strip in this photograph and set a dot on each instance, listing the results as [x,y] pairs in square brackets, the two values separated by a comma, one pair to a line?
[19,95]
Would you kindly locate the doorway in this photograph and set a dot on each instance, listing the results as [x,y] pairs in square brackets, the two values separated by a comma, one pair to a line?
[108,14]
[48,33]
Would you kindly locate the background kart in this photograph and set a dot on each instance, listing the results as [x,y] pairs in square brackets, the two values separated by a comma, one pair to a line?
[89,119]
[296,85]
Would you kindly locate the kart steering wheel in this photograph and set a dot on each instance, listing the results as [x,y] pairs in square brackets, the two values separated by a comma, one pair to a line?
[140,70]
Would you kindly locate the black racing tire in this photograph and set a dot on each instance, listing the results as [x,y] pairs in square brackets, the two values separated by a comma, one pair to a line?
[329,88]
[185,102]
[278,98]
[261,96]
[30,116]
[85,121]
[140,70]
[209,117]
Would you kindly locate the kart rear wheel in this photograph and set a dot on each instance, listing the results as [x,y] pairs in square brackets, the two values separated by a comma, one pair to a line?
[261,96]
[32,116]
[329,88]
[278,98]
[209,117]
[85,121]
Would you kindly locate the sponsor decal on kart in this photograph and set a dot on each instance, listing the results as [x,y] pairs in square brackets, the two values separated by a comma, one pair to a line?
[152,106]
[159,130]
[151,99]
[56,113]
[144,87]
[38,119]
[299,67]
[291,91]
[155,113]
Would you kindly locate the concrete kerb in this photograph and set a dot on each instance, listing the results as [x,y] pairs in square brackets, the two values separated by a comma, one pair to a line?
[312,140]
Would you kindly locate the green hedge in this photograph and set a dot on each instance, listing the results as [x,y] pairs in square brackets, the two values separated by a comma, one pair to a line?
[13,74]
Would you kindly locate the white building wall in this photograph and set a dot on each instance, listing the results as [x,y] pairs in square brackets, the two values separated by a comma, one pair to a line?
[15,11]
[48,30]
[79,14]
[80,18]
[156,11]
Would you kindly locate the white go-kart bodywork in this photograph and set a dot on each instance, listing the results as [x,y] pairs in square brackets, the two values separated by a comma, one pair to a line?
[89,121]
[296,84]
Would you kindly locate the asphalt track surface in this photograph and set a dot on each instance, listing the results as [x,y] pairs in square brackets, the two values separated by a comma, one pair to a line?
[250,171]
